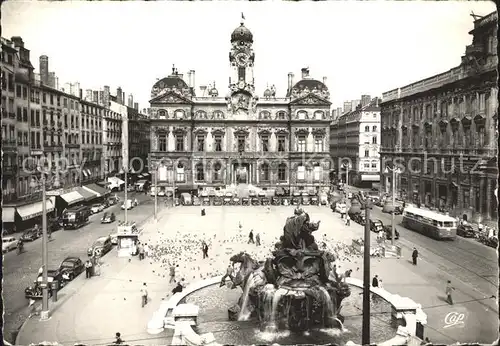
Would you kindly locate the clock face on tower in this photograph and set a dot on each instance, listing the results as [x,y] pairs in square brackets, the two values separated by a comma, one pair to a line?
[241,59]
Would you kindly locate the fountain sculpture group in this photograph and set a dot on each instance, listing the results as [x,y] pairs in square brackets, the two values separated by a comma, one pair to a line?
[292,290]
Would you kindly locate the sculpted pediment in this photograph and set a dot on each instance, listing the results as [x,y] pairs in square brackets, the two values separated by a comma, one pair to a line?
[311,99]
[264,131]
[171,98]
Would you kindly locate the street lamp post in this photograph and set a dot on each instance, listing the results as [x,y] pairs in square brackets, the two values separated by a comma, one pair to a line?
[125,203]
[44,315]
[394,170]
[347,166]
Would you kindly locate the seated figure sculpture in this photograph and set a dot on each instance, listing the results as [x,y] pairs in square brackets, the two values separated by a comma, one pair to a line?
[296,280]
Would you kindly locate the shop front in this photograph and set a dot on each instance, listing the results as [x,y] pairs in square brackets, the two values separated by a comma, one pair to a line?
[31,214]
[8,219]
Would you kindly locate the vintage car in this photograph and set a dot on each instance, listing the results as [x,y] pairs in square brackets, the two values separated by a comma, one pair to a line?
[53,275]
[255,201]
[96,208]
[114,238]
[31,234]
[341,208]
[217,201]
[305,198]
[261,194]
[236,201]
[129,204]
[359,218]
[70,268]
[323,199]
[196,201]
[204,194]
[35,291]
[161,193]
[108,217]
[252,194]
[286,201]
[295,201]
[314,200]
[388,232]
[245,201]
[265,201]
[113,200]
[376,226]
[275,201]
[205,200]
[466,231]
[8,243]
[100,247]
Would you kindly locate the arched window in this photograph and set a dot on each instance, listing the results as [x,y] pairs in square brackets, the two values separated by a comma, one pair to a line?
[264,172]
[282,172]
[162,114]
[200,172]
[180,175]
[217,174]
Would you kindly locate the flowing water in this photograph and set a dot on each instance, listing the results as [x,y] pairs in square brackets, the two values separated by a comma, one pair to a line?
[244,314]
[214,303]
[276,300]
[330,313]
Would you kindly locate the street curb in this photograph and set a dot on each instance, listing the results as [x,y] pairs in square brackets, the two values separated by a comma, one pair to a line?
[66,297]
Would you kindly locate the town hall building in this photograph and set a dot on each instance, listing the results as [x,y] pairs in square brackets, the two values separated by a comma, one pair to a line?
[241,137]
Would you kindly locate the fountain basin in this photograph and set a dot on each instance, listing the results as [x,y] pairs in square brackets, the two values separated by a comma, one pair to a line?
[385,332]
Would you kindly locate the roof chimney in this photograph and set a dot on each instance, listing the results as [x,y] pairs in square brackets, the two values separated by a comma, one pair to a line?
[189,79]
[119,95]
[193,82]
[324,80]
[18,41]
[88,95]
[131,100]
[305,73]
[136,106]
[290,81]
[44,69]
[80,93]
[95,96]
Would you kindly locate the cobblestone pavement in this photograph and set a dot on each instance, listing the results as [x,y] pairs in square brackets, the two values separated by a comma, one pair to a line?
[19,271]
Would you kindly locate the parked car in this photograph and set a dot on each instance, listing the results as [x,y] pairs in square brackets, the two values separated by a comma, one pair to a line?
[100,247]
[255,201]
[114,238]
[196,201]
[265,201]
[285,201]
[96,208]
[71,267]
[226,200]
[31,234]
[108,217]
[275,201]
[314,200]
[161,193]
[113,200]
[217,201]
[295,200]
[204,194]
[466,231]
[52,275]
[376,226]
[388,232]
[252,194]
[35,291]
[9,243]
[359,218]
[206,200]
[305,198]
[236,201]
[245,201]
[261,194]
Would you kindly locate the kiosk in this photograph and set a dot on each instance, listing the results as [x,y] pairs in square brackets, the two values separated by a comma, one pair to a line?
[127,238]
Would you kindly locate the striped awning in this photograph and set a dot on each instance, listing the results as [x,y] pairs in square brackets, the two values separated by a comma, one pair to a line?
[8,214]
[96,189]
[30,211]
[72,197]
[87,195]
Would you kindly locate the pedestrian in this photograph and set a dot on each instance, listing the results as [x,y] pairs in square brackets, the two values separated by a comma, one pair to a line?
[32,307]
[146,249]
[348,273]
[118,339]
[229,274]
[250,237]
[141,251]
[172,273]
[144,294]
[257,239]
[375,281]
[204,249]
[348,220]
[88,269]
[449,288]
[203,212]
[480,227]
[380,283]
[178,288]
[414,256]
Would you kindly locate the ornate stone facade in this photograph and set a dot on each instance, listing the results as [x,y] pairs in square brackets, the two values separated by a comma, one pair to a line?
[240,138]
[447,124]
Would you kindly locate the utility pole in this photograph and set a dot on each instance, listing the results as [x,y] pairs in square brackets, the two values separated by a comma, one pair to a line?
[366,273]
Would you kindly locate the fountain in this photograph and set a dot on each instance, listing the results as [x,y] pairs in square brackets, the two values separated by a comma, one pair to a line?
[292,290]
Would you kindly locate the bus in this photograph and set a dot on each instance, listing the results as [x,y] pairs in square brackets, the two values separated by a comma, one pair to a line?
[75,217]
[430,223]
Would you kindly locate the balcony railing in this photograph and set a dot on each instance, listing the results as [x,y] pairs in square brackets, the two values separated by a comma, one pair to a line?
[9,142]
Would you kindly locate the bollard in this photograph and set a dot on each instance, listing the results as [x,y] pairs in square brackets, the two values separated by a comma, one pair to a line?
[55,288]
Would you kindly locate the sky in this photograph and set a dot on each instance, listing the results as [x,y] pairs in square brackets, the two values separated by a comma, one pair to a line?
[361,47]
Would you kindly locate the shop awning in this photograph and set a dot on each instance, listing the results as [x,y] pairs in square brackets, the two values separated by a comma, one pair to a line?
[370,177]
[8,214]
[96,189]
[72,197]
[87,195]
[30,211]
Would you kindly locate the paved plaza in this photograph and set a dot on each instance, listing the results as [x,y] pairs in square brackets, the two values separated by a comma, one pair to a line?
[92,311]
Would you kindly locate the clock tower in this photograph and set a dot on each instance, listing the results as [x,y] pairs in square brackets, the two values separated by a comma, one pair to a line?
[241,58]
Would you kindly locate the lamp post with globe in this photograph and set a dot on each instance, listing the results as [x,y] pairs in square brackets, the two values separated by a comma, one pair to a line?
[40,183]
[395,170]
